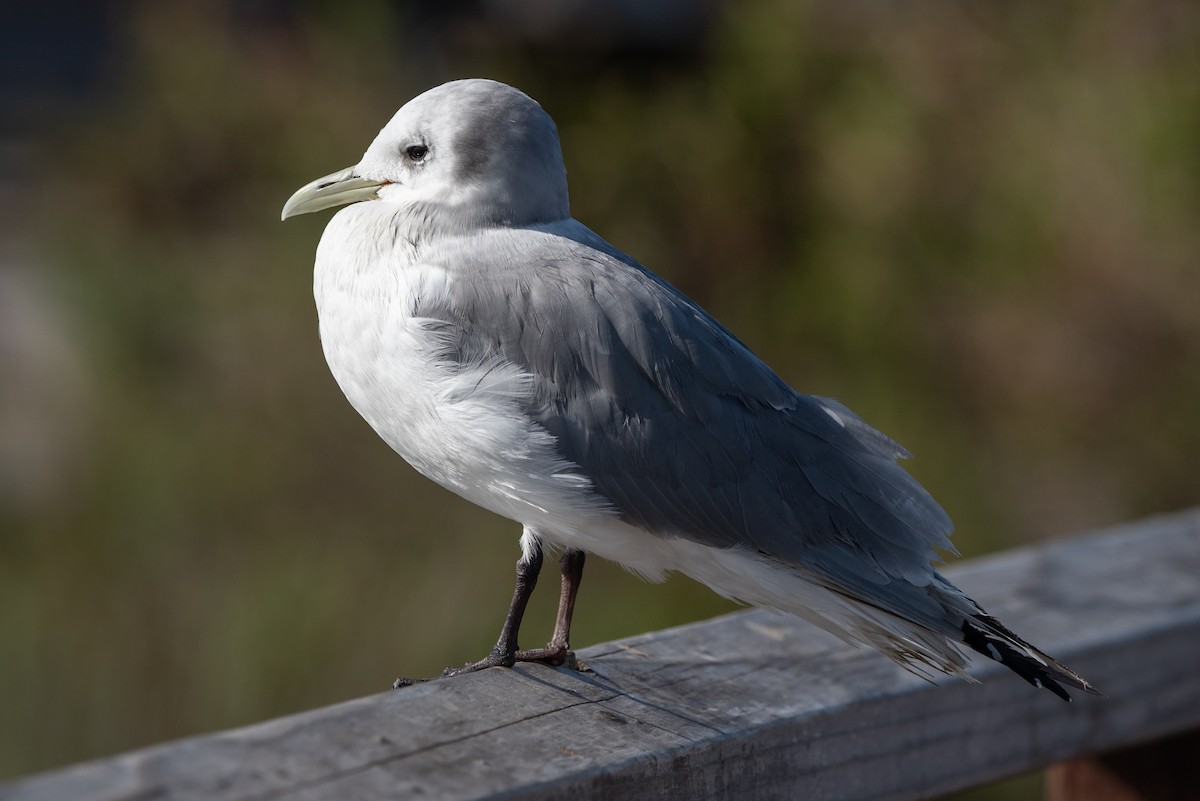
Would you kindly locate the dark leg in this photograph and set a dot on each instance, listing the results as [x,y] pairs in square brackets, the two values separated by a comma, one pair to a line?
[558,650]
[505,652]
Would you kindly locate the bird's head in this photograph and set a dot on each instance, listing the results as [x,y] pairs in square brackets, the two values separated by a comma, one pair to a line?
[467,153]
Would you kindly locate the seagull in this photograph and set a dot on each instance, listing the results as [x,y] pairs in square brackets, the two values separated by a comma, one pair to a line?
[514,357]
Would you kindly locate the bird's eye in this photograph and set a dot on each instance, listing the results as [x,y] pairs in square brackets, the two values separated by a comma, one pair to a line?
[416,152]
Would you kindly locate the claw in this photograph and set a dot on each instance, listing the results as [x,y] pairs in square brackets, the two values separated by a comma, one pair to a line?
[494,659]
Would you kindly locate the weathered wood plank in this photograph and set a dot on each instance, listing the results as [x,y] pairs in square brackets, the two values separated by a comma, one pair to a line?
[752,705]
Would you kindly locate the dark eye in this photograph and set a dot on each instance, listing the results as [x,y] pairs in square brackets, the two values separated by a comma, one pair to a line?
[416,152]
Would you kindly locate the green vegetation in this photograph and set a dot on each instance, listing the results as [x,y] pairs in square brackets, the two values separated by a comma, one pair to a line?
[976,225]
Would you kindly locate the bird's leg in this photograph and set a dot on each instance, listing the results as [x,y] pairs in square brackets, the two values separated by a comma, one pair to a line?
[505,652]
[558,650]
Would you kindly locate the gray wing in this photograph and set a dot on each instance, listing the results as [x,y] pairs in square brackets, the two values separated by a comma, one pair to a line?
[680,426]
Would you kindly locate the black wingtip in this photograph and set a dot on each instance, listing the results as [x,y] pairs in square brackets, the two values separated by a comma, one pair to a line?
[989,637]
[1053,686]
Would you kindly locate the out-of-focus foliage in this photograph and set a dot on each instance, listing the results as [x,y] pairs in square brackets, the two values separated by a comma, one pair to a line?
[975,224]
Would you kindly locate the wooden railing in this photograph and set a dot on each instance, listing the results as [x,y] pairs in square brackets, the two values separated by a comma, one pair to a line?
[756,705]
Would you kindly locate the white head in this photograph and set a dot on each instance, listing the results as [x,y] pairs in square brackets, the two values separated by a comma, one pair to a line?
[465,154]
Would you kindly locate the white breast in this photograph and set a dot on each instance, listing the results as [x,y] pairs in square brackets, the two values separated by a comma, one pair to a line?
[459,425]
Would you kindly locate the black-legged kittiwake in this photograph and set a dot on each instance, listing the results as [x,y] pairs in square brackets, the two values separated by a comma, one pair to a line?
[515,357]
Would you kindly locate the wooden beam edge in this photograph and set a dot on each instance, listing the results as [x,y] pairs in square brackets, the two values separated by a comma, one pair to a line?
[1149,674]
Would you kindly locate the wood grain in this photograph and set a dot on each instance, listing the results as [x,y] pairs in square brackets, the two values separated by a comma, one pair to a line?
[752,705]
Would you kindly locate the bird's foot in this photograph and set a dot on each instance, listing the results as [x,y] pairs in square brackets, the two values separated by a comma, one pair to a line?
[496,658]
[554,654]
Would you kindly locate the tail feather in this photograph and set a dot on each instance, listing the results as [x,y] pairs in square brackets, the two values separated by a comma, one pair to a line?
[926,629]
[990,637]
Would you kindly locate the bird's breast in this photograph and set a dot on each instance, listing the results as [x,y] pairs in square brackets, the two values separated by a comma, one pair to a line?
[460,424]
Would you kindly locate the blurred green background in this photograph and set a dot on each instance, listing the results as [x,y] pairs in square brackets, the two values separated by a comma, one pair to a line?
[976,224]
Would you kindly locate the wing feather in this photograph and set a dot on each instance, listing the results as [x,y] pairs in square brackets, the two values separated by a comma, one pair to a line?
[682,428]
